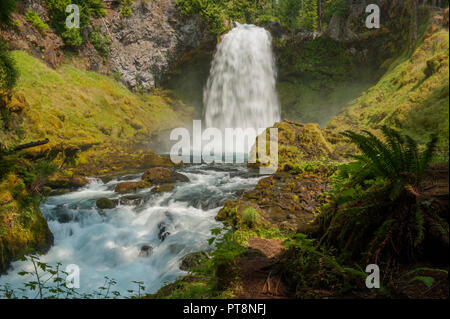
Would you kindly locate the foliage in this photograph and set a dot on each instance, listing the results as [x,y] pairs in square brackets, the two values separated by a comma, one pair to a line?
[217,13]
[88,9]
[125,8]
[6,8]
[8,70]
[308,16]
[397,160]
[100,43]
[49,282]
[72,37]
[34,18]
[376,214]
[310,267]
[250,217]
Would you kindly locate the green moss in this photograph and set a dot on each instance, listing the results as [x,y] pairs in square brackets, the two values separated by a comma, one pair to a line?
[412,96]
[86,108]
[34,18]
[23,229]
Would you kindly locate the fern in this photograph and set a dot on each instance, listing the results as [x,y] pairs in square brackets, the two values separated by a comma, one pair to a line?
[396,159]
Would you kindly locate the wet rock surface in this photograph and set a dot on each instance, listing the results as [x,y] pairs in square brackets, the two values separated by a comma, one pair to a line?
[106,203]
[162,175]
[193,260]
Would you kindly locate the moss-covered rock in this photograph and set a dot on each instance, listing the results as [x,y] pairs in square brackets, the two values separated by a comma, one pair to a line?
[106,203]
[240,213]
[296,143]
[129,187]
[163,188]
[163,175]
[23,229]
[193,260]
[62,180]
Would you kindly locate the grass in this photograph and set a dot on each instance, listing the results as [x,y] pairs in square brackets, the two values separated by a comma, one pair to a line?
[412,96]
[83,107]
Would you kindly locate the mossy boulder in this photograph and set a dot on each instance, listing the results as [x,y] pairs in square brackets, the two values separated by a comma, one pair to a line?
[106,203]
[163,188]
[193,260]
[296,142]
[66,181]
[163,175]
[23,229]
[240,213]
[129,187]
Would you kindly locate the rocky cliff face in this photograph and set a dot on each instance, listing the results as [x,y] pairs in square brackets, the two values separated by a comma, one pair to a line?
[143,45]
[147,43]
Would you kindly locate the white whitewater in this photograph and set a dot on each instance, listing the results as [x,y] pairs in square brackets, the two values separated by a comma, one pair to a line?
[241,89]
[110,243]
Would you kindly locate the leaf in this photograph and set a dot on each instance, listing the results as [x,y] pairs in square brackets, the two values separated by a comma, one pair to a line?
[428,281]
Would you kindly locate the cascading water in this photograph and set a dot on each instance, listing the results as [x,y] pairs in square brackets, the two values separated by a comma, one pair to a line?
[144,238]
[241,89]
[147,235]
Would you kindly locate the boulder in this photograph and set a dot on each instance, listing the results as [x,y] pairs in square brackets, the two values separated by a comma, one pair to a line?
[106,203]
[128,187]
[193,260]
[65,181]
[131,201]
[163,232]
[163,188]
[146,251]
[163,175]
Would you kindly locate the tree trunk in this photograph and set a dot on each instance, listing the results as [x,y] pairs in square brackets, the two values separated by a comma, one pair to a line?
[415,21]
[319,15]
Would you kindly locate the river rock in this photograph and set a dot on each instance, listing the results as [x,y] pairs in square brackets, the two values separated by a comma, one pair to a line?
[128,187]
[146,251]
[163,175]
[163,188]
[193,260]
[106,203]
[131,201]
[163,233]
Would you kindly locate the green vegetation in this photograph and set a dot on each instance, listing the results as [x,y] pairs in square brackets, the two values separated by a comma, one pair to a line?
[125,8]
[49,282]
[6,8]
[100,43]
[398,161]
[218,13]
[8,71]
[292,14]
[84,107]
[379,213]
[412,95]
[34,18]
[88,9]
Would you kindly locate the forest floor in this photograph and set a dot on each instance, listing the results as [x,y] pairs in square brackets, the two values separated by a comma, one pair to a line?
[258,271]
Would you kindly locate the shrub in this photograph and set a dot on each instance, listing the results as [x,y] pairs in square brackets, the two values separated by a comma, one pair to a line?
[125,8]
[6,8]
[100,43]
[398,159]
[58,15]
[250,217]
[72,37]
[34,18]
[8,72]
[378,213]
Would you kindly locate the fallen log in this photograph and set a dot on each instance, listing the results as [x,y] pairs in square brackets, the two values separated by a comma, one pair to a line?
[294,123]
[31,144]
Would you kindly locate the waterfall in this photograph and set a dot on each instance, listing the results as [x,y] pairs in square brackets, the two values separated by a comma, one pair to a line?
[241,89]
